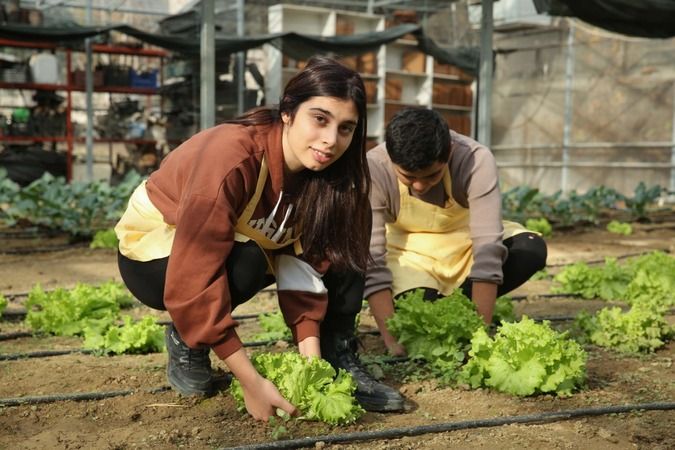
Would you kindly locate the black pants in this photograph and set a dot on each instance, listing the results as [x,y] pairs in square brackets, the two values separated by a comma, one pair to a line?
[527,255]
[246,271]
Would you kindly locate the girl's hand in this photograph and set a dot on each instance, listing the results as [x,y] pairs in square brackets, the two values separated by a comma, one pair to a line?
[262,399]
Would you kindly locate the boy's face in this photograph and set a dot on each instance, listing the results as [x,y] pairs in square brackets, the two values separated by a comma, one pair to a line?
[420,181]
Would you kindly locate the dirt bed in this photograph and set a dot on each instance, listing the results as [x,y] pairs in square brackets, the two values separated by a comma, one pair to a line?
[164,420]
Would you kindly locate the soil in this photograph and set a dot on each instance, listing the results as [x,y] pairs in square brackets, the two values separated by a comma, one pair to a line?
[165,420]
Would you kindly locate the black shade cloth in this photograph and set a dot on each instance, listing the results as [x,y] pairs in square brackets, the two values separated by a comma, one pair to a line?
[295,45]
[643,18]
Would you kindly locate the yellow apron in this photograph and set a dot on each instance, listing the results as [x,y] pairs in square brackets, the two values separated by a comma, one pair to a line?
[430,246]
[144,235]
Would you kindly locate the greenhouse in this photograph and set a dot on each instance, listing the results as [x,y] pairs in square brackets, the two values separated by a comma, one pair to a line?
[337,224]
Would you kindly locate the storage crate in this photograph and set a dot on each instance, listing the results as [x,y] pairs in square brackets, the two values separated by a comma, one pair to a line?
[148,79]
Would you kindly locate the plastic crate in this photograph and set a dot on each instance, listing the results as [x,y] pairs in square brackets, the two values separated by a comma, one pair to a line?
[147,79]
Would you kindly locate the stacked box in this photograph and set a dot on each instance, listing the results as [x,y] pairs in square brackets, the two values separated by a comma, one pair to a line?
[413,61]
[392,89]
[350,61]
[343,26]
[367,63]
[371,90]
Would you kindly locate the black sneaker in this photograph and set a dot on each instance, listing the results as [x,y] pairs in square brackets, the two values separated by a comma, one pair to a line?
[188,370]
[340,352]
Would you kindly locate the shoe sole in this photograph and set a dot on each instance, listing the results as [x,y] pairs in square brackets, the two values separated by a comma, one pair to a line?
[376,404]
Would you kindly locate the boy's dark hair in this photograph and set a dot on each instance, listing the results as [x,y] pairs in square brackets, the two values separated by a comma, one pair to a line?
[417,138]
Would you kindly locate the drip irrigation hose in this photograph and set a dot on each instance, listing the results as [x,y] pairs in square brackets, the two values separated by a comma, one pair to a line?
[46,249]
[43,354]
[15,335]
[18,401]
[395,433]
[21,312]
[600,261]
[49,353]
[34,234]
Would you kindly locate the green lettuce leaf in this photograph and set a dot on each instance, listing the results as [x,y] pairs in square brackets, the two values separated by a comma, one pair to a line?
[525,358]
[310,384]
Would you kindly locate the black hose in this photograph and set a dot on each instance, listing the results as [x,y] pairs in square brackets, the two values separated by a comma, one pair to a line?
[395,433]
[17,401]
[48,353]
[600,261]
[547,295]
[16,335]
[46,249]
[43,354]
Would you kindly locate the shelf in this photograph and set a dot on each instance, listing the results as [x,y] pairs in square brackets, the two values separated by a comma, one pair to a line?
[447,77]
[33,138]
[405,42]
[404,73]
[401,103]
[117,141]
[452,107]
[121,50]
[65,87]
[34,86]
[77,139]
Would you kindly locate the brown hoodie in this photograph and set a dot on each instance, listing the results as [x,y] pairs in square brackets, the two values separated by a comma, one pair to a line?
[202,188]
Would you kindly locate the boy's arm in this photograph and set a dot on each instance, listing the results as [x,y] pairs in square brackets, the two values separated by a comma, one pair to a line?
[484,295]
[382,308]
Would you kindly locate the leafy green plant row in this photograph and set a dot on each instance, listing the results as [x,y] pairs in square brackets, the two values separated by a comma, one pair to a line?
[524,202]
[523,358]
[646,283]
[81,208]
[78,208]
[650,278]
[94,313]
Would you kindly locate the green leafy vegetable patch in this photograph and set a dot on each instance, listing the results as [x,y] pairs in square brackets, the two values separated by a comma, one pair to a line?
[438,331]
[310,384]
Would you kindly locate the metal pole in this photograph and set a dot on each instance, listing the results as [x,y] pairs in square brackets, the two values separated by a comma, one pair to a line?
[567,126]
[671,197]
[208,67]
[241,60]
[485,75]
[370,7]
[89,87]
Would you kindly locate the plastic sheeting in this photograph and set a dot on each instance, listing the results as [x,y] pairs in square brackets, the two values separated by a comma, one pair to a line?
[295,45]
[644,18]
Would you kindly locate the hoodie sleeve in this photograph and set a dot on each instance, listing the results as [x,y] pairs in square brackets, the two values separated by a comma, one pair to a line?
[197,294]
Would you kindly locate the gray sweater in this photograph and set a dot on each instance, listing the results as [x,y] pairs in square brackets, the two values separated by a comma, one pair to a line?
[475,185]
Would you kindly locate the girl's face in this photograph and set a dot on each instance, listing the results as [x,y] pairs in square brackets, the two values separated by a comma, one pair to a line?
[319,134]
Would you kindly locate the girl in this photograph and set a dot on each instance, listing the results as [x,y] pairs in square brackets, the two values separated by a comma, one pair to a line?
[275,195]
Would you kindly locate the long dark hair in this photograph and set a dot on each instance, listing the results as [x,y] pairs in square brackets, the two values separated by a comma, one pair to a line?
[332,207]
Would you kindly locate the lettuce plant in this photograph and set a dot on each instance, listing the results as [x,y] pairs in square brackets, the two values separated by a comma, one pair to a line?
[525,358]
[310,384]
[143,336]
[438,331]
[642,329]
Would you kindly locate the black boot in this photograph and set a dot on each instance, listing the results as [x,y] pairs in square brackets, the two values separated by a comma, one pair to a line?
[188,370]
[340,351]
